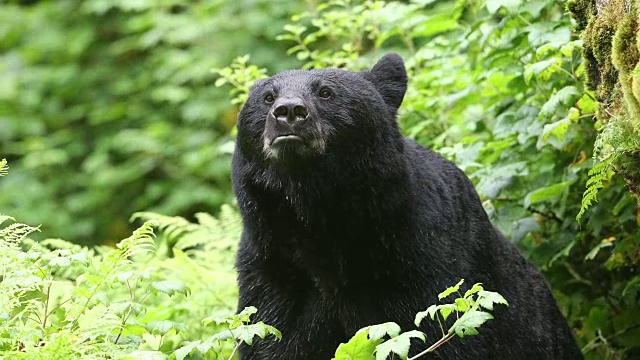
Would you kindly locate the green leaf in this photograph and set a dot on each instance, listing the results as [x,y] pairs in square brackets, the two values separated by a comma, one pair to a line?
[511,5]
[246,333]
[60,261]
[146,355]
[163,326]
[537,68]
[596,249]
[587,104]
[446,310]
[398,345]
[551,192]
[359,347]
[462,304]
[487,299]
[235,320]
[379,331]
[434,25]
[186,350]
[450,290]
[559,100]
[431,312]
[170,288]
[474,289]
[469,322]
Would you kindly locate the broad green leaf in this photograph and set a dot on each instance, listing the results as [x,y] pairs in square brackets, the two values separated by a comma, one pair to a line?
[511,5]
[462,304]
[434,25]
[60,261]
[487,299]
[558,101]
[537,68]
[379,331]
[246,333]
[446,310]
[431,312]
[163,326]
[146,355]
[632,284]
[548,193]
[469,322]
[170,288]
[234,320]
[186,350]
[359,347]
[474,289]
[450,290]
[398,345]
[587,104]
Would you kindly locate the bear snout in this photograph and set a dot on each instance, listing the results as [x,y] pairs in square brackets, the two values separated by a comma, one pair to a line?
[289,110]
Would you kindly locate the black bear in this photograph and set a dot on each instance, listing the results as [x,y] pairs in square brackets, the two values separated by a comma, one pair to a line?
[347,223]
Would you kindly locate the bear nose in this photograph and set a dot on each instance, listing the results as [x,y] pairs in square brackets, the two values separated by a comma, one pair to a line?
[290,110]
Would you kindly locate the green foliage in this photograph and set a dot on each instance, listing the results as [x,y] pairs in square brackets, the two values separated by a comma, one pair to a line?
[72,302]
[369,343]
[241,76]
[60,300]
[239,330]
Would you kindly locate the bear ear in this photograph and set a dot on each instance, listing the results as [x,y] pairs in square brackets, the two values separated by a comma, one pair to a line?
[389,76]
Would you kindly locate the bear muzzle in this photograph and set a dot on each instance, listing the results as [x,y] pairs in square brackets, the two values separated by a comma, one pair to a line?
[289,111]
[286,122]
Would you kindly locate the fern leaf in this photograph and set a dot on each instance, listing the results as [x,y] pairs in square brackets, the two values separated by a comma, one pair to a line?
[13,234]
[599,174]
[140,241]
[4,168]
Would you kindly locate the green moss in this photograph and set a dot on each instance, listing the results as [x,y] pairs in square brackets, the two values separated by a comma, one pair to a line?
[635,85]
[625,58]
[624,49]
[581,11]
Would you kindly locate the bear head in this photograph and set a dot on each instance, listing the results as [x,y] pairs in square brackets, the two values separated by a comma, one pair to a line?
[301,117]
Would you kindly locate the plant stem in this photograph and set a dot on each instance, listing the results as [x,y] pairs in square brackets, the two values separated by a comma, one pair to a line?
[234,350]
[433,347]
[46,305]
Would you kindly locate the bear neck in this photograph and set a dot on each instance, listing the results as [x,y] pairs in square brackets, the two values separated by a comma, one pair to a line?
[332,222]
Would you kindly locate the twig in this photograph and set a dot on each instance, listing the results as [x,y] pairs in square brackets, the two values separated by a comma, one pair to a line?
[433,347]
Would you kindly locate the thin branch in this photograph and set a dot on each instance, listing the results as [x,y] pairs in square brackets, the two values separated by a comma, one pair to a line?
[234,350]
[433,347]
[46,305]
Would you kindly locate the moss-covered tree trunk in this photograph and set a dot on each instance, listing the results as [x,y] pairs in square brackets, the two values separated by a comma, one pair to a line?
[610,32]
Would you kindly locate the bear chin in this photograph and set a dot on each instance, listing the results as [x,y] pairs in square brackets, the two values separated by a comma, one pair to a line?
[292,148]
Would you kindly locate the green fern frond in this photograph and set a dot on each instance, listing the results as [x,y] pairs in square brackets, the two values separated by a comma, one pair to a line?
[141,241]
[14,234]
[173,227]
[598,175]
[209,232]
[4,168]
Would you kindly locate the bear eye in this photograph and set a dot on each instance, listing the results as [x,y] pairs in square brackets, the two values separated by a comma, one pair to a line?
[269,99]
[324,93]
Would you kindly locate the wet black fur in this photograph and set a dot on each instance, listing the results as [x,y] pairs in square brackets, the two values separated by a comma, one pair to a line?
[370,228]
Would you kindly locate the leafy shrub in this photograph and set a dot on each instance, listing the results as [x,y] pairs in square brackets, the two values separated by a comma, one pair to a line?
[470,313]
